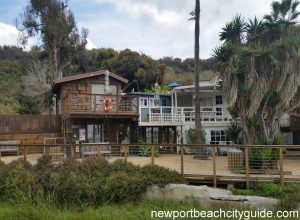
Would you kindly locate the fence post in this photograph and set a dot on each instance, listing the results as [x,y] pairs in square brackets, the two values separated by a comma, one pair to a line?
[281,166]
[247,166]
[214,166]
[0,153]
[25,153]
[72,151]
[126,149]
[152,154]
[98,150]
[181,160]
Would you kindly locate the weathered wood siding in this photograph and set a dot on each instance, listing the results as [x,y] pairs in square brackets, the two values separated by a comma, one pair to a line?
[29,139]
[30,124]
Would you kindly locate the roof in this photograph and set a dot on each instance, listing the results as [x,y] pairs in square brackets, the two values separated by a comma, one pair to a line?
[203,84]
[147,94]
[87,75]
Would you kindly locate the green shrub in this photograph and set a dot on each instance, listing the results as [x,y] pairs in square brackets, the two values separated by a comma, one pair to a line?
[121,187]
[268,189]
[16,182]
[42,172]
[79,184]
[290,197]
[121,165]
[157,175]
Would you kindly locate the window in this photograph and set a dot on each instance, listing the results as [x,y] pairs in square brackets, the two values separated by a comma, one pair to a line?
[218,137]
[219,100]
[219,111]
[144,102]
[149,135]
[152,135]
[164,102]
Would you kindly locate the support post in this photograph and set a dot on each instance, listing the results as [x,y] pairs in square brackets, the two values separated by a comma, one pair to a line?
[247,166]
[25,153]
[281,166]
[152,154]
[181,160]
[72,151]
[214,166]
[125,153]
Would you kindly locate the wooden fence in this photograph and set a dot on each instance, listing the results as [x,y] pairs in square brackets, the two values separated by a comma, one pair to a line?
[29,124]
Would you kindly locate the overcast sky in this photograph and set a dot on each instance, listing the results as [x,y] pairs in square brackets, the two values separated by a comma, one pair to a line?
[158,28]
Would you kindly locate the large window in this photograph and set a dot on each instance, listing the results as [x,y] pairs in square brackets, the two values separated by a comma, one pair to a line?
[94,133]
[218,137]
[152,135]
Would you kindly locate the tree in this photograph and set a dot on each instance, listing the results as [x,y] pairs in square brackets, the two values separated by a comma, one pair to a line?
[200,151]
[261,73]
[57,27]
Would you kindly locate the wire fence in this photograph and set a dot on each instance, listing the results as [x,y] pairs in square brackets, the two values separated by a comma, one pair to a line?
[205,163]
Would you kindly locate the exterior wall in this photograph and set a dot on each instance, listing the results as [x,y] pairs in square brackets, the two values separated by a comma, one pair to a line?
[83,86]
[207,129]
[30,139]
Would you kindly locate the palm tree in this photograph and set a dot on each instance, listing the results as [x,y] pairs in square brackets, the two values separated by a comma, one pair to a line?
[284,12]
[200,151]
[255,30]
[232,31]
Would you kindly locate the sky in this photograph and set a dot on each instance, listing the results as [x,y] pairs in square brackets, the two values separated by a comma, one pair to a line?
[158,28]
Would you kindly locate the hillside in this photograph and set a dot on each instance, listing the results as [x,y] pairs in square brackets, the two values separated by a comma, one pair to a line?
[21,70]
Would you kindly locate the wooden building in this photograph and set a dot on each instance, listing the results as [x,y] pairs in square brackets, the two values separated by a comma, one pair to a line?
[93,109]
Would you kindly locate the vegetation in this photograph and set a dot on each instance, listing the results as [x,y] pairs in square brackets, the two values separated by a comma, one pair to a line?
[55,24]
[90,183]
[126,211]
[234,133]
[260,61]
[289,195]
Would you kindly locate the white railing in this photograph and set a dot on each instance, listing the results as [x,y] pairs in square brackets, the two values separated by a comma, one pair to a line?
[207,113]
[164,118]
[172,115]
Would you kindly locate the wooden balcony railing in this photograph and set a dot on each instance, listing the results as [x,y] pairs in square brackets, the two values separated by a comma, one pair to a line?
[93,103]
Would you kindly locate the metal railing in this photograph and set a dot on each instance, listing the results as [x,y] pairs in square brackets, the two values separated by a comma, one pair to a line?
[93,103]
[202,163]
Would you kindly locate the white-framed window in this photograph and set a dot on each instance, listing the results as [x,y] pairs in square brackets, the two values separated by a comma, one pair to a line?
[144,102]
[219,100]
[218,137]
[219,111]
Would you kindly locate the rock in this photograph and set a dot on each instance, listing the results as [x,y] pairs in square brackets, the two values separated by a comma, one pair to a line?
[207,196]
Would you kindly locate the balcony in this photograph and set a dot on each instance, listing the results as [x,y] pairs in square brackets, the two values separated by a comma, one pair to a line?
[209,114]
[167,115]
[93,104]
[159,116]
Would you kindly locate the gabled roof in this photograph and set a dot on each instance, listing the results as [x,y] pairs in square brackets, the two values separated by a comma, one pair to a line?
[87,75]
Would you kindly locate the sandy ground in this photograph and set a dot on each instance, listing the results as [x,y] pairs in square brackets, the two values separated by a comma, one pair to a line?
[173,162]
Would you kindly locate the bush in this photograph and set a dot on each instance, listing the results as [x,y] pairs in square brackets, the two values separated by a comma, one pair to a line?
[290,197]
[16,182]
[268,189]
[122,187]
[157,175]
[79,184]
